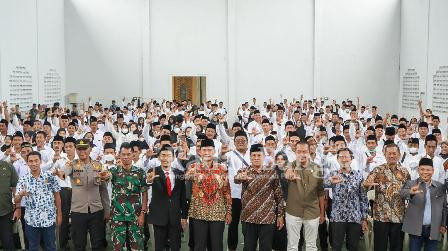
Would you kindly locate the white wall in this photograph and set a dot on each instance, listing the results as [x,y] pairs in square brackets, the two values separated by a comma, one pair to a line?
[273,49]
[358,45]
[413,60]
[438,56]
[424,40]
[33,40]
[187,38]
[51,51]
[18,48]
[104,48]
[260,48]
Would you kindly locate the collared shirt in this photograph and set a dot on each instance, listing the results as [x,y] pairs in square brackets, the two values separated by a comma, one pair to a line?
[262,197]
[388,206]
[59,164]
[21,169]
[350,203]
[427,211]
[439,172]
[88,191]
[234,164]
[210,198]
[46,153]
[304,193]
[8,179]
[377,160]
[40,207]
[411,163]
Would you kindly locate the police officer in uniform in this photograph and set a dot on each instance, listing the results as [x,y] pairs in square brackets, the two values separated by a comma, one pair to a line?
[90,200]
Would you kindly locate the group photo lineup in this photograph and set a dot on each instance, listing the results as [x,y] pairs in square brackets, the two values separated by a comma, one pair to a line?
[223,125]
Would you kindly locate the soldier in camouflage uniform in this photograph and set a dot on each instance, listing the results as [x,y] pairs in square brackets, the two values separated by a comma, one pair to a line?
[129,202]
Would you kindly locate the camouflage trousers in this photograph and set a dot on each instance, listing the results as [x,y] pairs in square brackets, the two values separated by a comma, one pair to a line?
[127,231]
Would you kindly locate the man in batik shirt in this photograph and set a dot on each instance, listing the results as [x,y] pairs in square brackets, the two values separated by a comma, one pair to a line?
[211,202]
[388,207]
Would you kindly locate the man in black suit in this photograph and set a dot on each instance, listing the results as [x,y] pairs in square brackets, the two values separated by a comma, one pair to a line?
[168,207]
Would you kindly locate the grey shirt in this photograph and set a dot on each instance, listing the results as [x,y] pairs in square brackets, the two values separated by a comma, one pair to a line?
[87,190]
[413,217]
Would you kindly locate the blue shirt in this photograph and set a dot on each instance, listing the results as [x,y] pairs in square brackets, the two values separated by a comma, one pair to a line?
[349,203]
[427,212]
[40,209]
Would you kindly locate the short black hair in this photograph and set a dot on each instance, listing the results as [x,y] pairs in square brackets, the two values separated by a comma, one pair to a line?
[33,153]
[270,137]
[371,137]
[338,138]
[109,146]
[240,133]
[41,132]
[70,140]
[167,148]
[430,137]
[126,145]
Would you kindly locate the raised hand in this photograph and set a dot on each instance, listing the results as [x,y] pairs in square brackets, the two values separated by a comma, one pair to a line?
[151,175]
[291,175]
[243,176]
[416,189]
[336,179]
[370,159]
[105,175]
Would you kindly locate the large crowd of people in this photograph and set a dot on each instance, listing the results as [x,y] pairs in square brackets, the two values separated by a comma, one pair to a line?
[295,174]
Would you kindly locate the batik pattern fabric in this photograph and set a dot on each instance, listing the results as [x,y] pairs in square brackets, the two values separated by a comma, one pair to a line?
[210,199]
[388,205]
[40,207]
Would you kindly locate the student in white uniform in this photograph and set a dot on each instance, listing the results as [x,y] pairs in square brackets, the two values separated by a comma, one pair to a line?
[411,158]
[236,160]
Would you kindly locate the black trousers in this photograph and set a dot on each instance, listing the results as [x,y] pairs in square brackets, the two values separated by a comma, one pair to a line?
[262,234]
[164,233]
[346,229]
[66,201]
[6,236]
[208,230]
[232,231]
[88,222]
[22,221]
[191,237]
[387,233]
[280,242]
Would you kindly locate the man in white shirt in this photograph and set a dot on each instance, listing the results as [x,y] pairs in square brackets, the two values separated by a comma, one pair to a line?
[45,151]
[411,158]
[254,128]
[370,156]
[430,148]
[236,160]
[59,160]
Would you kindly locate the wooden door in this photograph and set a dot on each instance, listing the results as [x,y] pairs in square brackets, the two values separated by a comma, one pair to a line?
[183,88]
